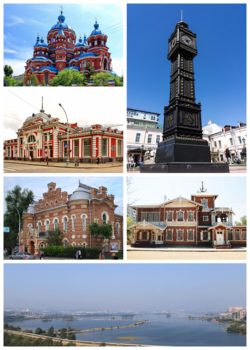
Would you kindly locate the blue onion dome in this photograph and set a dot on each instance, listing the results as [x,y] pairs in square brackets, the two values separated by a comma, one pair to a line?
[37,40]
[61,18]
[85,40]
[96,30]
[42,42]
[61,22]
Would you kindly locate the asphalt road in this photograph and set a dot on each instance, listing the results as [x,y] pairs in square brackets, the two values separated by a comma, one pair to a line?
[23,168]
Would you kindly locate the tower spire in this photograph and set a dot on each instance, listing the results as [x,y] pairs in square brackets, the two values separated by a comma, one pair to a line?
[181,15]
[42,110]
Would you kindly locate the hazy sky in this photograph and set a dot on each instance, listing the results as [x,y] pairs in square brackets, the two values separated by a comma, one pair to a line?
[231,190]
[130,287]
[22,22]
[68,183]
[80,106]
[220,66]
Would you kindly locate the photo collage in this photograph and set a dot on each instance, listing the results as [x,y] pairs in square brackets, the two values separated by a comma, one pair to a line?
[145,182]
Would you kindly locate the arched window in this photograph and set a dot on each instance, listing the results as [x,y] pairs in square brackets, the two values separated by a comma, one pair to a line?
[29,226]
[39,227]
[117,229]
[31,138]
[73,222]
[84,64]
[65,243]
[83,221]
[55,224]
[47,225]
[65,224]
[84,245]
[104,219]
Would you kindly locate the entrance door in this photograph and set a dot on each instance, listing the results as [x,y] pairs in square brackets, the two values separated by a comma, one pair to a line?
[32,248]
[11,154]
[113,148]
[31,154]
[219,238]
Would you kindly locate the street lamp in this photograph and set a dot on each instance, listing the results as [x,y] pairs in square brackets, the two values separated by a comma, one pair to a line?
[67,162]
[19,236]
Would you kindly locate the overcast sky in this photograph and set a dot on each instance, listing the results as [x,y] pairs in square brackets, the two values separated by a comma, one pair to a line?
[38,185]
[231,190]
[22,22]
[81,106]
[127,287]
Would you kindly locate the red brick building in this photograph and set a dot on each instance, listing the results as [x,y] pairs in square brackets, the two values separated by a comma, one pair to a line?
[182,221]
[41,135]
[62,51]
[72,214]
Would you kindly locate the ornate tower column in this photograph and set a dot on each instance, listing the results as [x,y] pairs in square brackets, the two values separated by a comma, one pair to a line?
[182,148]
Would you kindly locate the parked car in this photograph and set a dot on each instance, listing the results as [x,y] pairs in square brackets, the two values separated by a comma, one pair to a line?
[22,256]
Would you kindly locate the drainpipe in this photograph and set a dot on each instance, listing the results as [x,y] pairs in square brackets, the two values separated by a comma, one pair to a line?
[90,221]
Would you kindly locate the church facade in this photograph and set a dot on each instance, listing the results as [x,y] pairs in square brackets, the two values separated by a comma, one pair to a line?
[43,136]
[182,221]
[61,51]
[72,214]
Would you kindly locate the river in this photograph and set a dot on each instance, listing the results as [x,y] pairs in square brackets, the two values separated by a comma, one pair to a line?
[161,331]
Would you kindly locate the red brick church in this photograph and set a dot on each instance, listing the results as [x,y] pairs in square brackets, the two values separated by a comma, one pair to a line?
[72,214]
[60,50]
[182,221]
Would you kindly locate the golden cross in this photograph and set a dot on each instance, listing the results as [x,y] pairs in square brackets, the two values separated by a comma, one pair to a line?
[80,34]
[95,20]
[61,7]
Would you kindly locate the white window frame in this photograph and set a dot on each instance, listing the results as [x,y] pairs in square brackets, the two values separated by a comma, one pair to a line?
[137,137]
[206,216]
[171,235]
[182,231]
[193,235]
[179,212]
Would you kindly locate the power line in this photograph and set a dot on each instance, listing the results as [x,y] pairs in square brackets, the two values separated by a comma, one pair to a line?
[23,100]
[12,117]
[111,30]
[115,31]
[113,26]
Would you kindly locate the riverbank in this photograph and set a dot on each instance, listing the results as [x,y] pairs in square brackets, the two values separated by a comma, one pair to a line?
[67,341]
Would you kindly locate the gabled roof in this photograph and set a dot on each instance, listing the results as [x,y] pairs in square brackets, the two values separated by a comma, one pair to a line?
[161,227]
[178,199]
[220,224]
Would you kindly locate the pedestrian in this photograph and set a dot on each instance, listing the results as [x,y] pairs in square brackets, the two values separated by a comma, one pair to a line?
[103,255]
[24,157]
[47,160]
[140,161]
[228,155]
[243,154]
[77,254]
[98,160]
[100,256]
[40,160]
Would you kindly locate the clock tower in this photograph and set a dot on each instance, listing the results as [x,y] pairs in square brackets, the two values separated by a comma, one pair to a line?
[182,148]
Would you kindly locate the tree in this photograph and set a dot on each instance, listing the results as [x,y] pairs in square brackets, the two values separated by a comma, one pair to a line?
[34,80]
[10,81]
[50,332]
[89,71]
[54,237]
[20,199]
[20,83]
[63,333]
[105,231]
[130,222]
[101,79]
[71,336]
[8,71]
[67,77]
[242,222]
[39,331]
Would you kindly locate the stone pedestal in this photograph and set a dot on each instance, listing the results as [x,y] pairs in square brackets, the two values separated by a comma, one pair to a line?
[184,167]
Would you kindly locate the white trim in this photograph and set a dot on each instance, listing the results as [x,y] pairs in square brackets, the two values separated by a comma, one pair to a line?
[190,240]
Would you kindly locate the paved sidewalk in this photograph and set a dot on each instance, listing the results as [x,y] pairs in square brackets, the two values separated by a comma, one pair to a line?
[186,249]
[63,164]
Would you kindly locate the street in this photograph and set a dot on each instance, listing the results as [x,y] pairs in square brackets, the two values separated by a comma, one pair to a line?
[25,167]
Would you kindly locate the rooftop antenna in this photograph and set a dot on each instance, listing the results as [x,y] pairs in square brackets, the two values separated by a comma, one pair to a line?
[202,188]
[181,15]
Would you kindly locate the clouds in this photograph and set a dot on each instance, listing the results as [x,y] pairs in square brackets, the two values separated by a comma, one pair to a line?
[14,20]
[85,107]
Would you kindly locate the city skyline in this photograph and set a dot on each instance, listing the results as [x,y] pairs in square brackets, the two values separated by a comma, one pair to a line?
[220,66]
[170,286]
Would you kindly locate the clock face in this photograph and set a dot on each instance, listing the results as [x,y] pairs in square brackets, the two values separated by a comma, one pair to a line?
[188,41]
[173,42]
